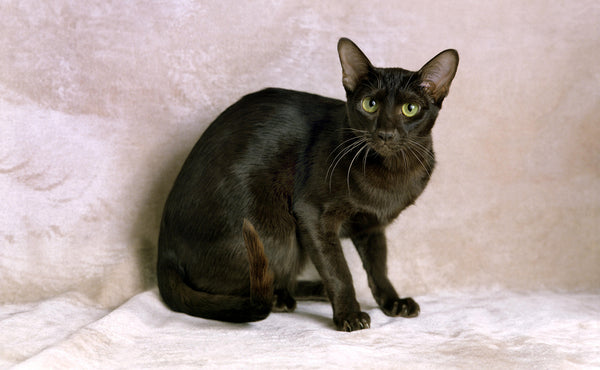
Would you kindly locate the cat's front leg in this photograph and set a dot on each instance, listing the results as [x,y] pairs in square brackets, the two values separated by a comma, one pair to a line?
[325,250]
[372,248]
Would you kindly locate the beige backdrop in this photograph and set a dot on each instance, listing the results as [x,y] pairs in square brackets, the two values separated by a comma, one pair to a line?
[100,102]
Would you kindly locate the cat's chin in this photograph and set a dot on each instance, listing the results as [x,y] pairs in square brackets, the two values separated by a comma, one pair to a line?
[386,150]
[390,156]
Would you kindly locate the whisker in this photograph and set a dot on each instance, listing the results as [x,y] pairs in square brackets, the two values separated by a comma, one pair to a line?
[351,142]
[352,129]
[407,85]
[404,159]
[365,160]
[422,149]
[348,151]
[356,132]
[345,151]
[418,159]
[341,144]
[374,86]
[352,162]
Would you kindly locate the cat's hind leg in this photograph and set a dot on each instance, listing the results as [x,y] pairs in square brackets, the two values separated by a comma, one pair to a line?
[310,291]
[303,291]
[283,301]
[254,305]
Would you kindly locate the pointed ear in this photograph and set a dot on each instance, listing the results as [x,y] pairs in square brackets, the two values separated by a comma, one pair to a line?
[438,73]
[355,65]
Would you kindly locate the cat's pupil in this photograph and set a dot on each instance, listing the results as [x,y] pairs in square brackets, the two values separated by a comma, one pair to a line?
[372,103]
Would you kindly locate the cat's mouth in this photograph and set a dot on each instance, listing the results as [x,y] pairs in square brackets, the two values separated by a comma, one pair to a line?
[384,147]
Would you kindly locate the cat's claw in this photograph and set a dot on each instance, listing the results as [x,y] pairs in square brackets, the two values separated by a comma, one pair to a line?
[406,307]
[356,321]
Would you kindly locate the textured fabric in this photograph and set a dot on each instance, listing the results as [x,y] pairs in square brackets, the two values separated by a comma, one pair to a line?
[492,330]
[101,101]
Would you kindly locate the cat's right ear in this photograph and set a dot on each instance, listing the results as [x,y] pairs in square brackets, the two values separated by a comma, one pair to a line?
[355,65]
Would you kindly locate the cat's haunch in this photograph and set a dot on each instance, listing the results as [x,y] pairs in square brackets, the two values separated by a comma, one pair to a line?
[280,176]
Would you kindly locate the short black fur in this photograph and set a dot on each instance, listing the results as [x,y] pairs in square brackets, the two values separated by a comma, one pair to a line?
[281,175]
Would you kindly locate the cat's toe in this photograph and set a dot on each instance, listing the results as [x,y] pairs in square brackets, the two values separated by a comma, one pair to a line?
[405,307]
[352,321]
[283,302]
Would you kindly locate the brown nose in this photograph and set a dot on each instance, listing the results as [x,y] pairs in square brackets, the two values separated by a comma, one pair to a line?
[386,135]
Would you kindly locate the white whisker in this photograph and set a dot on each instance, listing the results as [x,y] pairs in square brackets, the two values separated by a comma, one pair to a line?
[365,160]
[342,144]
[418,159]
[422,149]
[404,159]
[352,162]
[343,152]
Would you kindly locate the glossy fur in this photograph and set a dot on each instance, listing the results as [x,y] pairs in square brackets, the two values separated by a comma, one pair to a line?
[281,175]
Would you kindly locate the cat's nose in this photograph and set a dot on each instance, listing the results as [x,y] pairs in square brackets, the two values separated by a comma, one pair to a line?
[386,135]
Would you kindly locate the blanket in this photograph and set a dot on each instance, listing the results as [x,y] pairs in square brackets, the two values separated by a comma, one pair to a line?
[101,101]
[492,330]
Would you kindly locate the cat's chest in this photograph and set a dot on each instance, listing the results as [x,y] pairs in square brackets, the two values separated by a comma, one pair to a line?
[386,194]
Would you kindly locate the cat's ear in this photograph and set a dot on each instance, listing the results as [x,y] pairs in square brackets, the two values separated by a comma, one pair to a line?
[355,65]
[437,74]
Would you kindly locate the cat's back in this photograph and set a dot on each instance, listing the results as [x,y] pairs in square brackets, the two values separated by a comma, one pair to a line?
[276,107]
[265,130]
[273,96]
[250,149]
[262,123]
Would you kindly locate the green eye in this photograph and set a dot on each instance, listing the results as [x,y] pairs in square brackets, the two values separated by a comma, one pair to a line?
[410,109]
[369,104]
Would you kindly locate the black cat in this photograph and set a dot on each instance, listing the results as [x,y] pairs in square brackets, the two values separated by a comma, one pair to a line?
[281,175]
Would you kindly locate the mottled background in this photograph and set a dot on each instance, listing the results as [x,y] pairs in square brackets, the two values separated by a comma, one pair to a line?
[100,102]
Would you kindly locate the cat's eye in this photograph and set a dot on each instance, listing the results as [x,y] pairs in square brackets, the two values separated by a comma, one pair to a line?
[410,109]
[369,104]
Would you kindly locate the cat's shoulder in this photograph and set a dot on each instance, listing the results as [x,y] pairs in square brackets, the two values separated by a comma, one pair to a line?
[276,94]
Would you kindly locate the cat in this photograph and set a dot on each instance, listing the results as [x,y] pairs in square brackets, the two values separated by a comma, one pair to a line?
[280,176]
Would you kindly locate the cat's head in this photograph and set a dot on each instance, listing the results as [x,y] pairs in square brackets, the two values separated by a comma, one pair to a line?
[392,107]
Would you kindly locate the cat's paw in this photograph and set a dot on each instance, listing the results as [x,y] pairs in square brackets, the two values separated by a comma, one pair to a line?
[403,307]
[350,321]
[283,301]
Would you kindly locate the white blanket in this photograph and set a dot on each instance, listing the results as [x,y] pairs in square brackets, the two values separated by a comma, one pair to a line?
[101,101]
[496,330]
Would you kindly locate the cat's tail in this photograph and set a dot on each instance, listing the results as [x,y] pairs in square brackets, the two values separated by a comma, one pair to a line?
[261,277]
[180,297]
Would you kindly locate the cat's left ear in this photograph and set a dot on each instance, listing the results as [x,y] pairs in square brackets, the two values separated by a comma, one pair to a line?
[355,65]
[437,74]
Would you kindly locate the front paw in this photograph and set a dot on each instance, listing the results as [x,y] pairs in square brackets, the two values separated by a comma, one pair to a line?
[350,321]
[405,307]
